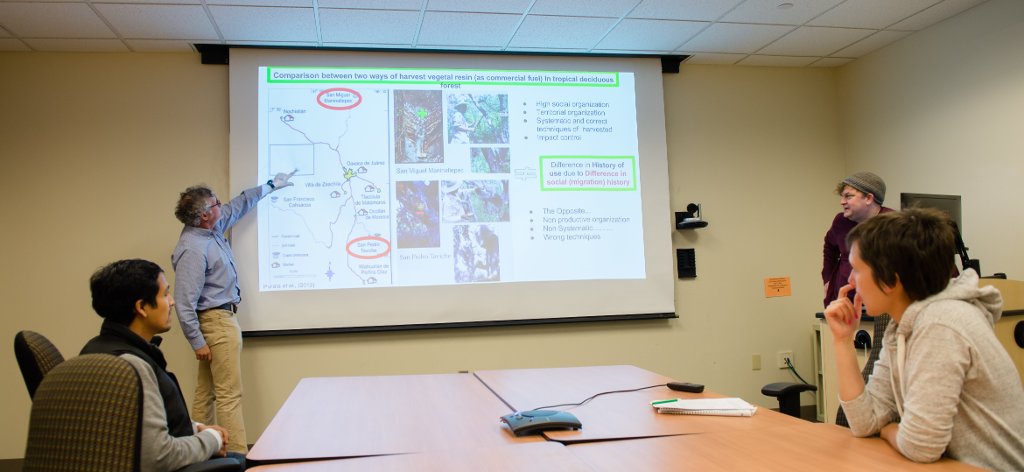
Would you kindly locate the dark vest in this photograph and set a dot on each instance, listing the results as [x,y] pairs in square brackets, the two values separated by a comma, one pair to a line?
[117,339]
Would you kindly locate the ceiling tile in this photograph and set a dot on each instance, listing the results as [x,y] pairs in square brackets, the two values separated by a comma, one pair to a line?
[590,8]
[428,47]
[560,32]
[77,45]
[876,14]
[713,58]
[176,2]
[735,38]
[694,10]
[635,52]
[716,31]
[871,43]
[480,6]
[769,11]
[935,14]
[815,41]
[12,45]
[365,26]
[776,61]
[158,21]
[160,45]
[373,4]
[275,43]
[465,29]
[53,20]
[264,24]
[650,35]
[831,62]
[363,46]
[262,3]
[548,50]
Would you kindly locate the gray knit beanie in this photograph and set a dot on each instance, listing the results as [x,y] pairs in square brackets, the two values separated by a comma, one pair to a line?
[867,182]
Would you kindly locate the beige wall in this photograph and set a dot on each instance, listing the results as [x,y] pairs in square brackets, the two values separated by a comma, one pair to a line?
[943,112]
[95,148]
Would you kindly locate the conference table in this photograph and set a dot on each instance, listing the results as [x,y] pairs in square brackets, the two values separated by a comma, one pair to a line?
[451,422]
[614,416]
[328,417]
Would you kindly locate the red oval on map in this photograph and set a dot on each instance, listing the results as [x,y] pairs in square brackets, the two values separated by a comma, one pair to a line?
[339,98]
[371,247]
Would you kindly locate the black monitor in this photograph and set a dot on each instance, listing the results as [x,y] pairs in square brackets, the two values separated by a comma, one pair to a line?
[950,204]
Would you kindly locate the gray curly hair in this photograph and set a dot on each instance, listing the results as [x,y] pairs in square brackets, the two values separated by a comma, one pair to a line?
[192,203]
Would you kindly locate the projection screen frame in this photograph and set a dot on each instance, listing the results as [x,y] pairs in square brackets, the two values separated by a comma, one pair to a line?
[220,54]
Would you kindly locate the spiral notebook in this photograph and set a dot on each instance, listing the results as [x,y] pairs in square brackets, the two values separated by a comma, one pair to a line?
[705,406]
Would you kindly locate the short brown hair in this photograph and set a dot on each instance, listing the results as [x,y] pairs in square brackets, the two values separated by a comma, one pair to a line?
[914,246]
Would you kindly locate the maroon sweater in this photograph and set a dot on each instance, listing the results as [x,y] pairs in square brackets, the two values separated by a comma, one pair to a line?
[835,265]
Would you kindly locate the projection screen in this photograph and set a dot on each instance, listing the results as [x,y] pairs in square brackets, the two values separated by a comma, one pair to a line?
[435,190]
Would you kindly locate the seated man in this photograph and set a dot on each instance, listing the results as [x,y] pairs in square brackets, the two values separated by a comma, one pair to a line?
[134,300]
[943,383]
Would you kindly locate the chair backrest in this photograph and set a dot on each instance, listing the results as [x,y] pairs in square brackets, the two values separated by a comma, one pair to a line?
[86,416]
[36,356]
[881,322]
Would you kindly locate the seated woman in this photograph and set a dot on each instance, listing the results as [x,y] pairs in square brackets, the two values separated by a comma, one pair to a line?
[943,384]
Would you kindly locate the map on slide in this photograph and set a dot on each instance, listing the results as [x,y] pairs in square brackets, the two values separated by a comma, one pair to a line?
[414,178]
[334,225]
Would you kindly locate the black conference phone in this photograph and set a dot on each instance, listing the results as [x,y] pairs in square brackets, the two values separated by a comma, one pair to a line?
[522,423]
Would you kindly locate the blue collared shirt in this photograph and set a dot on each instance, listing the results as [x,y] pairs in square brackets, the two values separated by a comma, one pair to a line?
[204,266]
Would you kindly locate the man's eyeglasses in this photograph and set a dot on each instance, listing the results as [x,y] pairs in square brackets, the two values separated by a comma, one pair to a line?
[845,196]
[215,204]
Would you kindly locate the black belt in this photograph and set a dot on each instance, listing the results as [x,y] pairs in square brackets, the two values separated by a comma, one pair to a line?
[227,306]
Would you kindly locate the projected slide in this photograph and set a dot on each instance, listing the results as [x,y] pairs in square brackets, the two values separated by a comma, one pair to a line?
[423,177]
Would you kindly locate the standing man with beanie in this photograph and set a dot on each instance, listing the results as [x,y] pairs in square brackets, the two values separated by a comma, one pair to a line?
[861,195]
[208,294]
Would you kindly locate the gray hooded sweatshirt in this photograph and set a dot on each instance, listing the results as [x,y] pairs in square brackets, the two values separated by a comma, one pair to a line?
[945,376]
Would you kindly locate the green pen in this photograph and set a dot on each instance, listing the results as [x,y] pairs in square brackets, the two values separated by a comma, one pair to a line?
[659,402]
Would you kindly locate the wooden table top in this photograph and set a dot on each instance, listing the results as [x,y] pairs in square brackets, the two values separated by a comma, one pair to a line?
[542,456]
[333,417]
[617,415]
[451,422]
[804,446]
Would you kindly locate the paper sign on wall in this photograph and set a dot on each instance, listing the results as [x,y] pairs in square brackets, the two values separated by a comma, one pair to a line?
[777,287]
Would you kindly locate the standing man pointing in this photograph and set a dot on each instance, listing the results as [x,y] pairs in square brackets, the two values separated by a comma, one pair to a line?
[206,289]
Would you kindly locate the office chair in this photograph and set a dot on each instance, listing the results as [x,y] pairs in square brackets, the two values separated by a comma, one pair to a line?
[36,356]
[881,322]
[87,416]
[788,394]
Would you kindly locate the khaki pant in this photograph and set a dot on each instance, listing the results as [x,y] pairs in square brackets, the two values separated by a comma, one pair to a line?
[219,387]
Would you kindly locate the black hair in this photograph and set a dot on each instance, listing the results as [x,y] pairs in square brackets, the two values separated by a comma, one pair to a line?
[118,285]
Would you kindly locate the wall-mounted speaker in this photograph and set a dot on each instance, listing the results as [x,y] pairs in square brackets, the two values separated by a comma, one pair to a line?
[686,263]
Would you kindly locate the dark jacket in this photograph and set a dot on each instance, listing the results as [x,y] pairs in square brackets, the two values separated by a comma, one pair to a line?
[117,339]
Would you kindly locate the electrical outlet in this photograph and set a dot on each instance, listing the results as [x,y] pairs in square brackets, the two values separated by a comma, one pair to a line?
[783,355]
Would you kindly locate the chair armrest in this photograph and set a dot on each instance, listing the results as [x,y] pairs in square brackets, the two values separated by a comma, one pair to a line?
[780,389]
